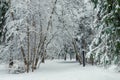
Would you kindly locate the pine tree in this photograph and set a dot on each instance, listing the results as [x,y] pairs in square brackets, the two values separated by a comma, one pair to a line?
[108,21]
[4,5]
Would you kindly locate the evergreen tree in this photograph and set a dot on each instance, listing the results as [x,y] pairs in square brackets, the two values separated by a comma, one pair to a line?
[4,5]
[108,24]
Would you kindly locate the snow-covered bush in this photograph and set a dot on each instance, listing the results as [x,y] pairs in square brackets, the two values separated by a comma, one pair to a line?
[17,67]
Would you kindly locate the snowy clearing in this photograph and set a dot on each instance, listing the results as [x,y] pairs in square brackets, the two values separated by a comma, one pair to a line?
[61,70]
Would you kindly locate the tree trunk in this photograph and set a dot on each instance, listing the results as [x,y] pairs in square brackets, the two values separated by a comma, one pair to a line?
[23,54]
[83,53]
[77,57]
[43,60]
[70,57]
[33,59]
[76,52]
[28,42]
[65,57]
[91,59]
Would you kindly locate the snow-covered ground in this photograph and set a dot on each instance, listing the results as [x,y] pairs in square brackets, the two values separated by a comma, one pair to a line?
[61,70]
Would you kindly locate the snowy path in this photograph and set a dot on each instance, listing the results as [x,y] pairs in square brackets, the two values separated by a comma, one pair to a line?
[61,70]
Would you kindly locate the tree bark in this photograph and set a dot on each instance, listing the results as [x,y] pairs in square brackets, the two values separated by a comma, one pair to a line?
[76,52]
[28,45]
[83,53]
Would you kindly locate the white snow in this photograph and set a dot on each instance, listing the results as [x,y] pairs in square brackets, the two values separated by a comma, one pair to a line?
[62,70]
